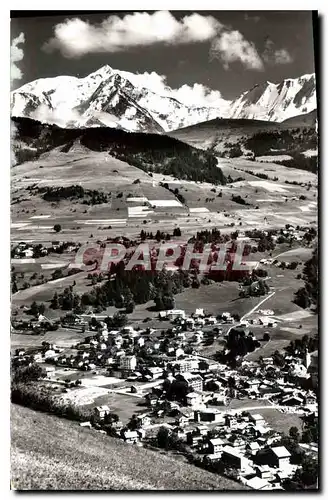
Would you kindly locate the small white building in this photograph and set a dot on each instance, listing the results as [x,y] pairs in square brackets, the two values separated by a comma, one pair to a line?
[194,399]
[101,411]
[257,419]
[128,363]
[176,313]
[199,313]
[211,320]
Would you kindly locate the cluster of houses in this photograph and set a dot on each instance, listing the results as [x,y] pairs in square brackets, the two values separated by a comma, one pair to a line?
[165,368]
[239,444]
[27,251]
[197,319]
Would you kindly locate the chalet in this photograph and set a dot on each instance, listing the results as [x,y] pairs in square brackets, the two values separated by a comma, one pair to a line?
[195,382]
[231,421]
[260,430]
[277,456]
[49,354]
[264,472]
[131,437]
[202,430]
[252,447]
[28,253]
[128,330]
[184,365]
[194,399]
[55,245]
[253,384]
[209,415]
[237,442]
[180,433]
[143,420]
[211,320]
[280,456]
[232,458]
[178,352]
[101,411]
[215,445]
[182,420]
[267,361]
[128,363]
[257,419]
[292,401]
[155,372]
[199,313]
[190,322]
[50,370]
[117,426]
[227,317]
[310,399]
[193,439]
[175,313]
[212,458]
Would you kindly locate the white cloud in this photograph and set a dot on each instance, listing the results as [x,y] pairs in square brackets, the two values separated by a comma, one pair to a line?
[75,38]
[282,56]
[259,112]
[16,55]
[196,94]
[231,46]
[60,116]
[275,56]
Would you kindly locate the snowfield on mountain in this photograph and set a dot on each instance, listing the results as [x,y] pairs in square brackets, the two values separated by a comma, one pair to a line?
[115,99]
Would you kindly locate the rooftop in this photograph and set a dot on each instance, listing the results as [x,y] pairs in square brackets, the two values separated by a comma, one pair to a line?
[280,451]
[216,441]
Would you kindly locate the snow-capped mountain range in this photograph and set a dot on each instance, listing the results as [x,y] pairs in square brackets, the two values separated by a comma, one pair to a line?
[277,102]
[114,98]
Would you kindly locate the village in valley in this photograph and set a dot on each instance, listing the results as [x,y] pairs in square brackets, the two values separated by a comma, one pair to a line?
[205,385]
[164,251]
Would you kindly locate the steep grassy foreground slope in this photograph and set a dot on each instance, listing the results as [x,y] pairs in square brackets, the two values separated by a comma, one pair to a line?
[53,454]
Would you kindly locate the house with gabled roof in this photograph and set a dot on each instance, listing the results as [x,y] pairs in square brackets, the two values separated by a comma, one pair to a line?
[131,437]
[101,411]
[276,456]
[215,445]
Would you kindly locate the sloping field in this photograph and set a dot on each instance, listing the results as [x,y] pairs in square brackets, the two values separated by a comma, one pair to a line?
[139,201]
[232,130]
[52,454]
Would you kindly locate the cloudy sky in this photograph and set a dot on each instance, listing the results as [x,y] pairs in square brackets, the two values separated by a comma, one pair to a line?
[202,55]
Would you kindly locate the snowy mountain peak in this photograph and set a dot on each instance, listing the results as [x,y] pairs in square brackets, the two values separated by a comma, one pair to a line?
[103,72]
[115,98]
[277,101]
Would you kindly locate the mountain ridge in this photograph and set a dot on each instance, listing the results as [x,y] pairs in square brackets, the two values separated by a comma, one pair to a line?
[115,99]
